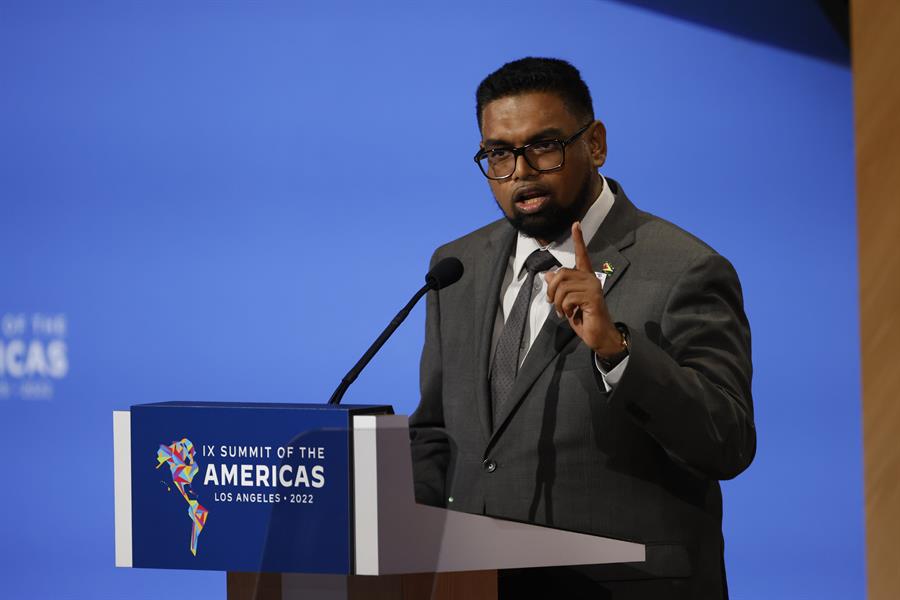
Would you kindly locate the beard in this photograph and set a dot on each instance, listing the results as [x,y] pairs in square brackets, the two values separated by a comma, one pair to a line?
[554,222]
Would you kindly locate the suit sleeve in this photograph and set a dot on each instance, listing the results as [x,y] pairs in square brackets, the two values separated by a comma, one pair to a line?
[428,440]
[688,378]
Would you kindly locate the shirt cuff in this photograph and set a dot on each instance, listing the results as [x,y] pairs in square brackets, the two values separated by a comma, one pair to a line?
[611,378]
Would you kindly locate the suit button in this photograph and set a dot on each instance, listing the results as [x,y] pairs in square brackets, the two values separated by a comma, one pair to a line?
[489,466]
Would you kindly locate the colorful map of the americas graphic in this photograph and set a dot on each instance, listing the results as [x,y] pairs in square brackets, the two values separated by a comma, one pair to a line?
[180,458]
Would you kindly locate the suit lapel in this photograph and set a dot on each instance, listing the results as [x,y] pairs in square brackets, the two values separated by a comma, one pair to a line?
[616,233]
[607,255]
[489,271]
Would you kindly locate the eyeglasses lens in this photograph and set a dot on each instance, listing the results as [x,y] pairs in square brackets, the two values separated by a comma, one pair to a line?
[541,156]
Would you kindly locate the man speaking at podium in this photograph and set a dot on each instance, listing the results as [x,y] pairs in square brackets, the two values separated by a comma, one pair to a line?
[591,370]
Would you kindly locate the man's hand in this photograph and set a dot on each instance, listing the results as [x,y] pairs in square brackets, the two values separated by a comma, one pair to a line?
[578,294]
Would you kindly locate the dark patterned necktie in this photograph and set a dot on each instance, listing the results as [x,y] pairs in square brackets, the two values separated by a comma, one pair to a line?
[509,346]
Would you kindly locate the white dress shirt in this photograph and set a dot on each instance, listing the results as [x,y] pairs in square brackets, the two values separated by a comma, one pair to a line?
[564,252]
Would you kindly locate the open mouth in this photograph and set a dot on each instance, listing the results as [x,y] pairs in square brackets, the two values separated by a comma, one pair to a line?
[531,200]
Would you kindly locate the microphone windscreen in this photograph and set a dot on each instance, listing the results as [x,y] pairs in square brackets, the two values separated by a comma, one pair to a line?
[446,272]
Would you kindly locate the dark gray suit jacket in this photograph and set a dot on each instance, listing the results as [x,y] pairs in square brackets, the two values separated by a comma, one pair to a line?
[640,463]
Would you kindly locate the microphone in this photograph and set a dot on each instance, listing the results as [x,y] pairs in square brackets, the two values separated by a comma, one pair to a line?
[446,272]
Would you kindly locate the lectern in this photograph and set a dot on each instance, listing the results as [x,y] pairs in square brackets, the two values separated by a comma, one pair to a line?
[310,501]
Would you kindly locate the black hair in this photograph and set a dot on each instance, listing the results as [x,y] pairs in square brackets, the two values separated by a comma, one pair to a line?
[532,74]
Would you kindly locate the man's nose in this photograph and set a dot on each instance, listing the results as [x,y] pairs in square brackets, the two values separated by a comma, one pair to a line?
[523,170]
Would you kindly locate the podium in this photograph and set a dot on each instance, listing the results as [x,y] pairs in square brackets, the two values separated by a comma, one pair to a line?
[310,501]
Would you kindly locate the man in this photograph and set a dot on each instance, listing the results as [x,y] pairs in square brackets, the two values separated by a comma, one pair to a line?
[591,371]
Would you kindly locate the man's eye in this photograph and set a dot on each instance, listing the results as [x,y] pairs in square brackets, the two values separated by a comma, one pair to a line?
[547,146]
[498,153]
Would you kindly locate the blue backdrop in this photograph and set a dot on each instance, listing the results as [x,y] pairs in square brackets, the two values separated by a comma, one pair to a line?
[227,202]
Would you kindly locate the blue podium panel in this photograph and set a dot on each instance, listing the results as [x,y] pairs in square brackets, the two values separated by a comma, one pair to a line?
[242,487]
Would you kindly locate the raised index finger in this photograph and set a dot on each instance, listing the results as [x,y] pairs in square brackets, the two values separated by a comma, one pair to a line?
[582,260]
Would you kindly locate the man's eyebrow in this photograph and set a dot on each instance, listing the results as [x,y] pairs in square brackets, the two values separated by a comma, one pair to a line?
[495,142]
[544,134]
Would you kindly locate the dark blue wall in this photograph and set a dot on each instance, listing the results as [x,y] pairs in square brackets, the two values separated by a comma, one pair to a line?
[228,202]
[816,27]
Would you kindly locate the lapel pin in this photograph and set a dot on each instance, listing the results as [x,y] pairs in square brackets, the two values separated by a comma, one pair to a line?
[607,268]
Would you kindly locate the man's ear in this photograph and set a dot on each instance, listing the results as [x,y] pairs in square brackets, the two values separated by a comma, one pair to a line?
[597,143]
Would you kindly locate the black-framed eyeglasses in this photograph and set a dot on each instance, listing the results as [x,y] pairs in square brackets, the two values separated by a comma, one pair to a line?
[542,156]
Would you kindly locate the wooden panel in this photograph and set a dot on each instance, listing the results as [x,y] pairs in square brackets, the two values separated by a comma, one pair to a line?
[253,586]
[471,585]
[876,65]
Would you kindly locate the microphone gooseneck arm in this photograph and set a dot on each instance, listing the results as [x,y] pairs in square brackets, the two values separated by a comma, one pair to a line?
[446,272]
[353,373]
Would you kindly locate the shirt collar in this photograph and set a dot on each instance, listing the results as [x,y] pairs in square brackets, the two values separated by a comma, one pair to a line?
[564,249]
